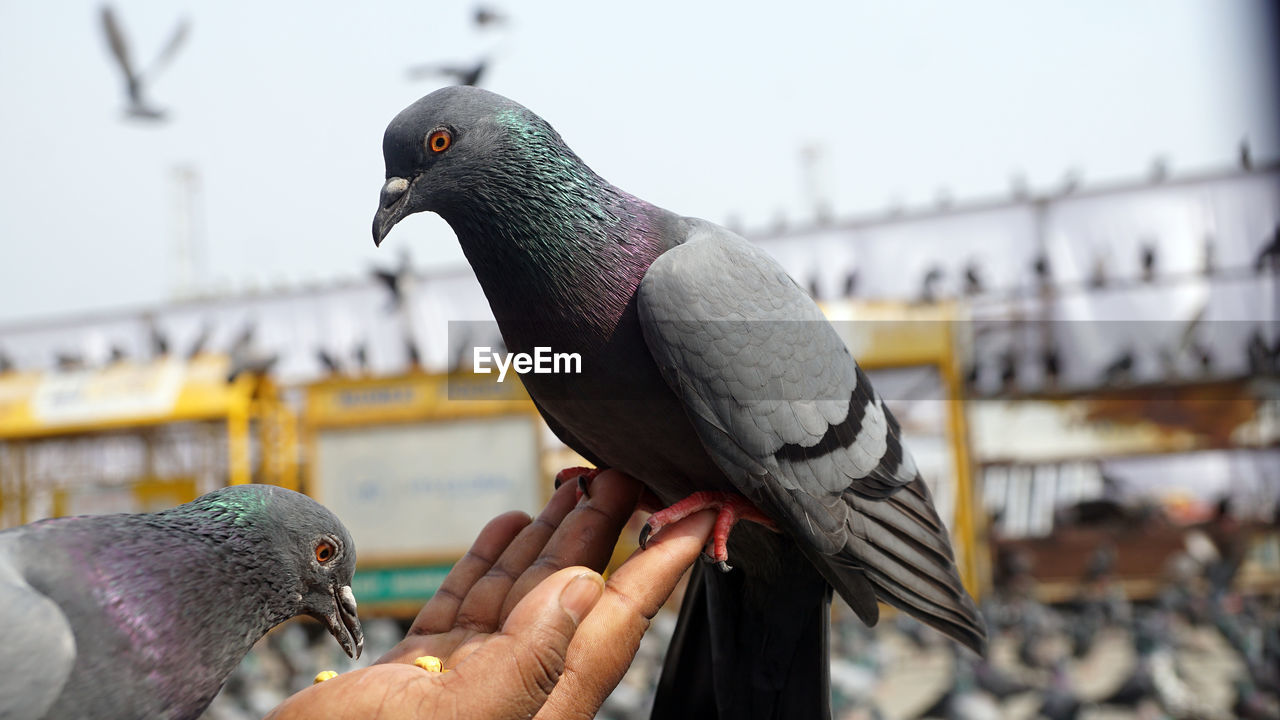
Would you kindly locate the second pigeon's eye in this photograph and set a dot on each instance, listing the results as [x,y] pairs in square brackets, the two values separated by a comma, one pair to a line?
[439,141]
[325,551]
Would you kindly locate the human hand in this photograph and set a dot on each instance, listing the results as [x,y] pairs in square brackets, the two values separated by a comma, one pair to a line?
[523,622]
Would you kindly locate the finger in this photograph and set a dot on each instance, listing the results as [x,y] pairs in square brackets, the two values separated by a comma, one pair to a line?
[608,639]
[587,536]
[516,670]
[439,613]
[480,610]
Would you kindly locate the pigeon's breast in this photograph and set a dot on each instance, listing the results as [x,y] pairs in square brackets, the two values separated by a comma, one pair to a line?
[620,411]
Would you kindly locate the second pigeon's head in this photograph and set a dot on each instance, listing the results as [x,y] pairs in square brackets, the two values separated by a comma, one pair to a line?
[463,149]
[312,557]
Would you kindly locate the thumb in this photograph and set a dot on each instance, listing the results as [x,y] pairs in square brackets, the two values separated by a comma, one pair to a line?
[512,673]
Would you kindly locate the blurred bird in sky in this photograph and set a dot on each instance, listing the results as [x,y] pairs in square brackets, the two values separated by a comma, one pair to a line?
[459,74]
[137,80]
[486,16]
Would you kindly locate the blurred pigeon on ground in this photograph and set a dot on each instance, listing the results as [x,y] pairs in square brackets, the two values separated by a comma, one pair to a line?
[135,79]
[133,616]
[709,375]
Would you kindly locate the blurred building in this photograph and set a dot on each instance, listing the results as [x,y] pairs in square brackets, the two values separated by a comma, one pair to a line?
[1117,350]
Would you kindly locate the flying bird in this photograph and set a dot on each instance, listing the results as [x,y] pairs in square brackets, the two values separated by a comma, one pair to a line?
[459,74]
[136,80]
[709,375]
[484,15]
[132,616]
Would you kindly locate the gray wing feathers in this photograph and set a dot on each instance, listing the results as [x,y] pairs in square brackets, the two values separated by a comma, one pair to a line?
[788,415]
[39,649]
[774,373]
[901,545]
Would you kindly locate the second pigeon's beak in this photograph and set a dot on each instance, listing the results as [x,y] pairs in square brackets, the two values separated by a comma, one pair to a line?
[393,205]
[343,623]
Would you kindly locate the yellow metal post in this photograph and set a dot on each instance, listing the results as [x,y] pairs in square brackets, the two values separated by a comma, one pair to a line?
[958,429]
[238,465]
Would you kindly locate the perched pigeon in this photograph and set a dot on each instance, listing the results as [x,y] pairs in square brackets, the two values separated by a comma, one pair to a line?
[705,369]
[144,616]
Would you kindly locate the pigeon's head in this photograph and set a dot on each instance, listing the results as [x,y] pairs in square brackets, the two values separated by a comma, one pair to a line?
[463,148]
[312,556]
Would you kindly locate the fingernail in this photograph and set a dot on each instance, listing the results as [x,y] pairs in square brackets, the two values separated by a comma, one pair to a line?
[581,595]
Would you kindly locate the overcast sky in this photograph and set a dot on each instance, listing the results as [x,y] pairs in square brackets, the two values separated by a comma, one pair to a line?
[704,108]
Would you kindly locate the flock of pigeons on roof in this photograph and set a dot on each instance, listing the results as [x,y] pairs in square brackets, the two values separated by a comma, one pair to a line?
[1003,372]
[137,79]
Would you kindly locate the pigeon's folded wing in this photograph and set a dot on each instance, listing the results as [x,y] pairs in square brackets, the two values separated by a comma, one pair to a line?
[38,648]
[786,413]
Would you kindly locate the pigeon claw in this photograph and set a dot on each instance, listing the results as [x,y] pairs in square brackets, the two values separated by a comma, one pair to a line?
[730,507]
[583,475]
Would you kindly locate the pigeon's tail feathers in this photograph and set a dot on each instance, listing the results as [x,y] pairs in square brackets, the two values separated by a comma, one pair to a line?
[903,548]
[686,688]
[750,647]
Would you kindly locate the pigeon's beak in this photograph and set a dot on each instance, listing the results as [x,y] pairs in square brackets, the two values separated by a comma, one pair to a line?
[343,623]
[393,205]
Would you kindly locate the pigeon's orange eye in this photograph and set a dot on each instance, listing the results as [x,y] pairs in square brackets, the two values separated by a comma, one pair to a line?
[439,140]
[325,551]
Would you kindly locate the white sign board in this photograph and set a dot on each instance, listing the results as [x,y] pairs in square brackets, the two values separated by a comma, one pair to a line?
[426,489]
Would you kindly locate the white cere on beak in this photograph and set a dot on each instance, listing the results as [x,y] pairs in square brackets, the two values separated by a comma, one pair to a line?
[396,186]
[347,597]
